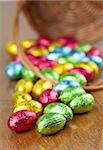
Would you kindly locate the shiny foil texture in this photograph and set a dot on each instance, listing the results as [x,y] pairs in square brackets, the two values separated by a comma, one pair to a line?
[82,103]
[89,75]
[44,41]
[48,96]
[22,120]
[11,48]
[40,86]
[13,70]
[50,73]
[24,85]
[94,51]
[60,86]
[69,41]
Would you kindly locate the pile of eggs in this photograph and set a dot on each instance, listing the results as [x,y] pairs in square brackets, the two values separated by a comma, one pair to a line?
[37,101]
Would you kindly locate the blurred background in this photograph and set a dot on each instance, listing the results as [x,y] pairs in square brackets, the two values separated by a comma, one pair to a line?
[7,14]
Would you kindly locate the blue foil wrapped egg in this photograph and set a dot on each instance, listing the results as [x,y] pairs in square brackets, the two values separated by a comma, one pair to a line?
[64,50]
[98,60]
[75,57]
[85,59]
[13,70]
[78,55]
[60,86]
[53,56]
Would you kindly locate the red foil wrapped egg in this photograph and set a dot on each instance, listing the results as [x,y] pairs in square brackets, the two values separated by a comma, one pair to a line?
[89,75]
[16,58]
[22,120]
[93,51]
[69,41]
[48,96]
[53,63]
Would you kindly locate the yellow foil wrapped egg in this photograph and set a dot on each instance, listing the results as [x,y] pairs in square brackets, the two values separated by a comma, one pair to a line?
[90,66]
[63,68]
[19,97]
[21,106]
[54,45]
[94,67]
[59,68]
[38,52]
[36,106]
[24,85]
[67,66]
[40,86]
[27,43]
[11,48]
[85,66]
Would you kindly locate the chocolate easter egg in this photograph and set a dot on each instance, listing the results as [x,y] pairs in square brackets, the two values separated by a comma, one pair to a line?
[22,120]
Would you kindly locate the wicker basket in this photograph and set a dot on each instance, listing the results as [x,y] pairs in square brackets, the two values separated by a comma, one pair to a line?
[82,19]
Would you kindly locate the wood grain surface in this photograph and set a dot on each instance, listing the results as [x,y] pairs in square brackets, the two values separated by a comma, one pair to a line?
[84,132]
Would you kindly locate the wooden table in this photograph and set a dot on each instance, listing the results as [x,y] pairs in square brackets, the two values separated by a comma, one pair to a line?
[84,132]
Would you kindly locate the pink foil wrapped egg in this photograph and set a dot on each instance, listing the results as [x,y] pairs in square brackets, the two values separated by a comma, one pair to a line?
[48,96]
[42,58]
[52,63]
[73,45]
[16,58]
[22,120]
[43,41]
[35,62]
[89,75]
[94,51]
[43,65]
[30,57]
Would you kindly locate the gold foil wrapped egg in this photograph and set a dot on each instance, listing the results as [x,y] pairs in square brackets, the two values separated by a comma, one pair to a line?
[94,67]
[40,86]
[19,97]
[38,51]
[11,48]
[63,68]
[27,43]
[36,106]
[21,106]
[85,66]
[90,66]
[24,85]
[59,68]
[67,66]
[54,45]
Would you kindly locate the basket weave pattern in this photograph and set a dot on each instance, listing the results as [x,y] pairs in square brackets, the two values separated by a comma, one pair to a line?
[82,19]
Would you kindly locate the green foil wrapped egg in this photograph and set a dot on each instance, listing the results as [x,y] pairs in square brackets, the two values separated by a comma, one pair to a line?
[50,73]
[63,59]
[50,123]
[29,75]
[83,103]
[59,108]
[74,77]
[70,93]
[84,47]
